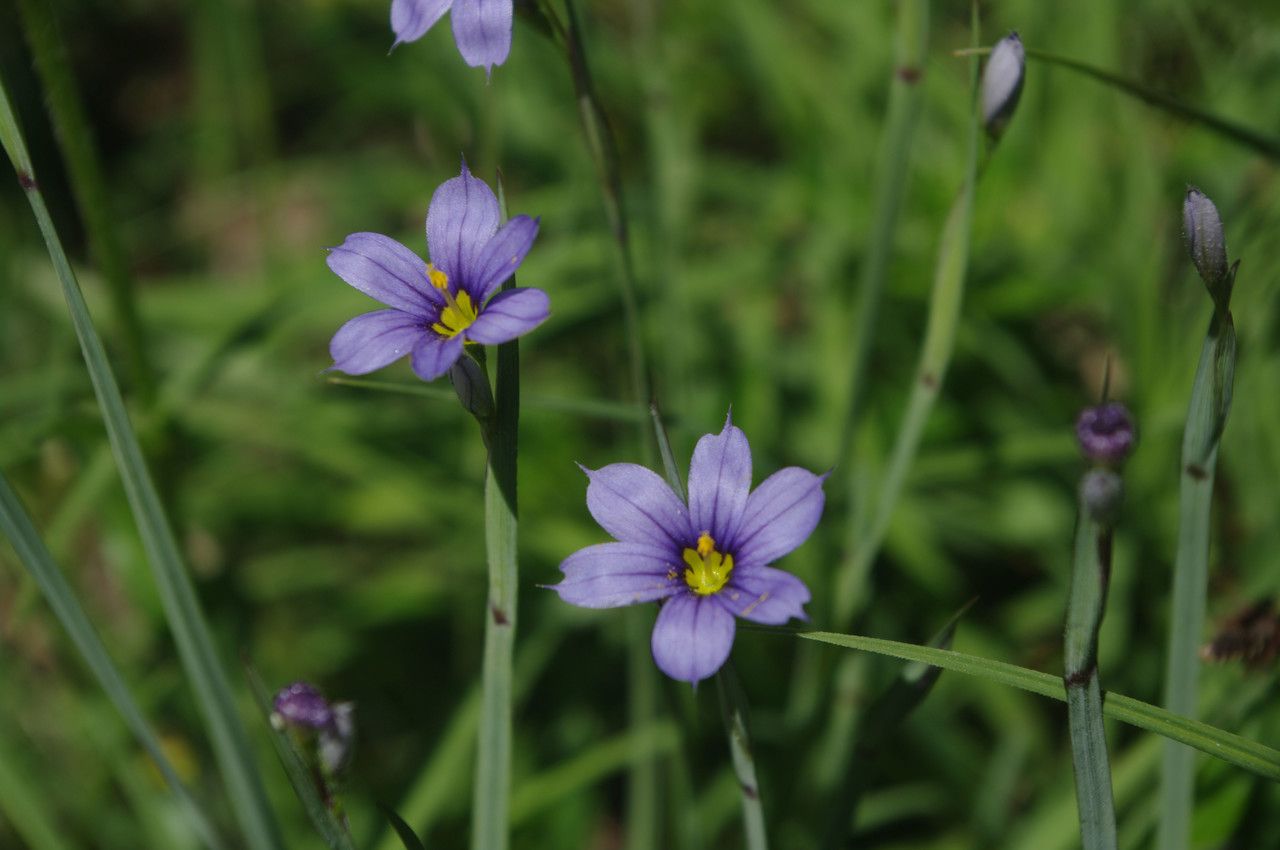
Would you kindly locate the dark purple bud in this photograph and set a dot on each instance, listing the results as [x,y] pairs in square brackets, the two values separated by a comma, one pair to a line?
[472,386]
[1205,241]
[1002,83]
[301,706]
[1101,492]
[1105,433]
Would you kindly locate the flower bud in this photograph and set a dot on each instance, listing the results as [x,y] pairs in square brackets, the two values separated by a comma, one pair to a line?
[1205,242]
[337,741]
[472,386]
[1101,492]
[300,706]
[1105,433]
[1002,83]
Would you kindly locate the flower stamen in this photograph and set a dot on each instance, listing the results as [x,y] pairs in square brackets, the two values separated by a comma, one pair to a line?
[708,570]
[458,312]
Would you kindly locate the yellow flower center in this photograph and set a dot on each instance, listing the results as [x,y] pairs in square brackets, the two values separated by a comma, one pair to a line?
[708,570]
[458,312]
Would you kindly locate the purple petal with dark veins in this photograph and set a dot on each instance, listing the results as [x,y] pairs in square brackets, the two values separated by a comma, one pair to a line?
[719,481]
[462,217]
[692,637]
[382,268]
[373,340]
[410,19]
[501,256]
[510,314]
[636,506]
[780,515]
[482,30]
[609,575]
[435,354]
[764,595]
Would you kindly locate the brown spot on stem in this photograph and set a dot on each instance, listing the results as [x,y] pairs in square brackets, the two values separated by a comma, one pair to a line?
[750,792]
[1080,677]
[929,380]
[27,182]
[499,616]
[909,74]
[1197,471]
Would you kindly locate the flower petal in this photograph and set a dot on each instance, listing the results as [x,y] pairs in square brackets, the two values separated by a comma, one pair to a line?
[462,217]
[482,30]
[373,340]
[608,575]
[719,481]
[410,19]
[636,506]
[382,268]
[510,314]
[435,354]
[780,515]
[764,595]
[692,637]
[501,256]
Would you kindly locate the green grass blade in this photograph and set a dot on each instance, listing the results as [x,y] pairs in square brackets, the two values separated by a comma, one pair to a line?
[177,595]
[733,708]
[1233,749]
[1210,400]
[26,810]
[16,525]
[87,183]
[402,830]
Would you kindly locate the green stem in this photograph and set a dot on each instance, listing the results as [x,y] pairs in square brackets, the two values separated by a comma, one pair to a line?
[177,594]
[733,707]
[905,102]
[492,792]
[1090,577]
[1210,402]
[88,185]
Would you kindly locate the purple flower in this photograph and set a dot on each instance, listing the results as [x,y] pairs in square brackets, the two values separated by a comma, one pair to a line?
[708,559]
[1105,433]
[436,307]
[300,705]
[481,28]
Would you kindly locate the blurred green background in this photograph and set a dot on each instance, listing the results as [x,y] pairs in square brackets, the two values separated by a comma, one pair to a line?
[336,532]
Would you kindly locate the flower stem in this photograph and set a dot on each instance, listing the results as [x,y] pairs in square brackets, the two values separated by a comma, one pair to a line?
[492,790]
[1210,403]
[733,708]
[1090,576]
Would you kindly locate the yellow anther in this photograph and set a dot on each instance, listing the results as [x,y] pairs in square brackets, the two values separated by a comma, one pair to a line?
[708,570]
[458,312]
[439,279]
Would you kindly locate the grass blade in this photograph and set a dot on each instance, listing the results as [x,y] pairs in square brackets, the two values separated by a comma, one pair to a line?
[35,556]
[177,595]
[1210,400]
[1233,749]
[402,830]
[733,707]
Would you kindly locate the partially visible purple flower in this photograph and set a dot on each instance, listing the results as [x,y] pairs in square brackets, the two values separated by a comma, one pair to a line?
[481,28]
[436,307]
[300,705]
[708,559]
[1105,433]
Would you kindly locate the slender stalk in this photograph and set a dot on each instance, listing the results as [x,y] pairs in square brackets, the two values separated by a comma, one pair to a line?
[1210,402]
[88,185]
[733,708]
[35,556]
[906,98]
[492,790]
[177,595]
[642,786]
[935,355]
[1268,146]
[1090,576]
